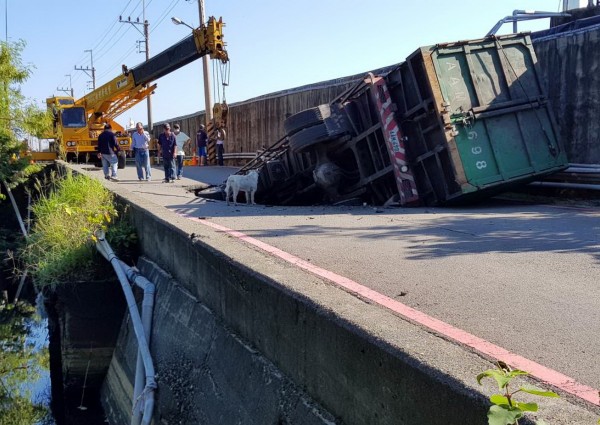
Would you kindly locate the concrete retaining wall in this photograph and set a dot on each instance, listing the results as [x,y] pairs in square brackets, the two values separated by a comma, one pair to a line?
[226,309]
[240,337]
[207,373]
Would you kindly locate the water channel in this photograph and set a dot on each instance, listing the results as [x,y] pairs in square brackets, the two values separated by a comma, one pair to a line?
[30,394]
[25,390]
[31,384]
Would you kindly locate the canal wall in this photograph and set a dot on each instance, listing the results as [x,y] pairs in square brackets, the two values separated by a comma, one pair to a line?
[241,337]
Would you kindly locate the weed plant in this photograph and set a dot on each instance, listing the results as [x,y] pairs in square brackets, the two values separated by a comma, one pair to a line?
[67,213]
[505,409]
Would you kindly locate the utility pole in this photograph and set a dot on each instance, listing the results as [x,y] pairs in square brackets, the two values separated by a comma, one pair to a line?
[145,33]
[70,89]
[207,94]
[92,69]
[70,84]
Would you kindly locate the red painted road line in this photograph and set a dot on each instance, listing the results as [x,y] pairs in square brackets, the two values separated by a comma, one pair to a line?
[543,373]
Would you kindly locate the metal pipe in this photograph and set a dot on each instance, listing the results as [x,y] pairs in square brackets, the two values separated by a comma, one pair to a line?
[584,165]
[582,170]
[523,15]
[138,328]
[147,312]
[567,185]
[16,208]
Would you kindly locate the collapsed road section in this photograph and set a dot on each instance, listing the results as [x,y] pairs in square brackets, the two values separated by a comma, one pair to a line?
[453,123]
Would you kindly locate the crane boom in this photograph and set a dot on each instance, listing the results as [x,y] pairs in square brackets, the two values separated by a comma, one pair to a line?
[206,40]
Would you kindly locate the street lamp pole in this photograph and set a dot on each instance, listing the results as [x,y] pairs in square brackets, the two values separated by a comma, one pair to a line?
[144,33]
[207,94]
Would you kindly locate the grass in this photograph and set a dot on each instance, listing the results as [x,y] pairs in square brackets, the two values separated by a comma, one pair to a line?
[67,213]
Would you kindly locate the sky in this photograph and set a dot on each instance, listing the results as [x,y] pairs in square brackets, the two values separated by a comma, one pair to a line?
[272,44]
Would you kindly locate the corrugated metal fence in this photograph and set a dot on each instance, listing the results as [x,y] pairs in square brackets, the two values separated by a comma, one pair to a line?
[570,66]
[256,123]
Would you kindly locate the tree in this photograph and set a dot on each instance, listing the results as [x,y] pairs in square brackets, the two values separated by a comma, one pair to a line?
[18,116]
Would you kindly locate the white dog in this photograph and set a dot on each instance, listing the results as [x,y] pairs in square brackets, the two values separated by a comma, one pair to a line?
[247,183]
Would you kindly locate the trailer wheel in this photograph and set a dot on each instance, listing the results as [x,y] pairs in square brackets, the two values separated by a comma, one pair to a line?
[305,119]
[213,192]
[311,136]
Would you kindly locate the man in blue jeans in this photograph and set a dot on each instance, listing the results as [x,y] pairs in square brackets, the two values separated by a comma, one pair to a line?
[201,142]
[140,145]
[108,149]
[221,136]
[181,139]
[167,146]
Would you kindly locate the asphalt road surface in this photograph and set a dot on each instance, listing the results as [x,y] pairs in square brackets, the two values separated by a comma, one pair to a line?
[524,277]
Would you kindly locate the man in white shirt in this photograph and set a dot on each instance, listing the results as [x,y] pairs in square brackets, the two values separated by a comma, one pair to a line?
[181,139]
[140,145]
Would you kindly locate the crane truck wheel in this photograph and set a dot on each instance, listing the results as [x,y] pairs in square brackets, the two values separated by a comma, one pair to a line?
[307,118]
[121,160]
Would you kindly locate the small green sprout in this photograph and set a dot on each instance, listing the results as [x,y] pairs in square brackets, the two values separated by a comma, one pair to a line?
[505,410]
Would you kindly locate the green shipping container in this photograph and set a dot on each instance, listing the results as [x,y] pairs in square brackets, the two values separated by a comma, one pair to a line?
[477,117]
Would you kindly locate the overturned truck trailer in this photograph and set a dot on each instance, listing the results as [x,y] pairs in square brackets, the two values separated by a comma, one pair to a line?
[454,122]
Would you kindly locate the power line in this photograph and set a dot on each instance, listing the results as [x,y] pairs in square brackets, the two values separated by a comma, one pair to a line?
[109,39]
[98,47]
[118,62]
[164,15]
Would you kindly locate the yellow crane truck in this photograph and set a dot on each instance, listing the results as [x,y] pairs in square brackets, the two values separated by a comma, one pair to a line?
[77,123]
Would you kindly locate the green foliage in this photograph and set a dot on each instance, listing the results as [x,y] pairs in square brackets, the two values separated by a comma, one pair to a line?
[18,116]
[505,410]
[20,366]
[67,214]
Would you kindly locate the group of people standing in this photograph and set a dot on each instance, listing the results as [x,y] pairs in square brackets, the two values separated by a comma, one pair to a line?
[171,146]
